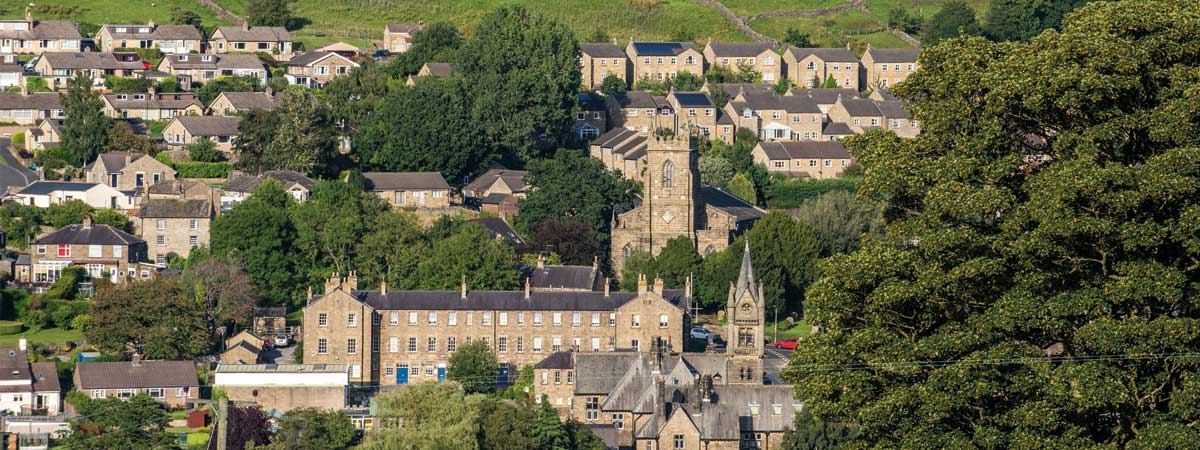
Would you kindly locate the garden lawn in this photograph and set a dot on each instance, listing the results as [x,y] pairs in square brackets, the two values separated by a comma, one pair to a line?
[43,336]
[800,329]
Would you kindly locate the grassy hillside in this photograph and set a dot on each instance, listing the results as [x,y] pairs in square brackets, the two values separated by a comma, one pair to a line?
[359,21]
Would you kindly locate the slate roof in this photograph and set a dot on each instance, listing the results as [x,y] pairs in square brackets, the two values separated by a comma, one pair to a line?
[43,187]
[805,150]
[210,125]
[893,55]
[599,372]
[733,89]
[11,68]
[635,99]
[250,100]
[836,129]
[89,60]
[860,107]
[165,32]
[714,197]
[277,311]
[314,56]
[515,179]
[229,61]
[125,375]
[176,209]
[115,161]
[404,181]
[36,100]
[661,48]
[14,366]
[692,99]
[505,300]
[602,50]
[738,49]
[173,187]
[825,54]
[254,34]
[589,101]
[96,234]
[499,228]
[440,69]
[556,360]
[569,277]
[172,101]
[403,27]
[613,137]
[45,377]
[825,96]
[241,182]
[770,101]
[45,29]
[893,109]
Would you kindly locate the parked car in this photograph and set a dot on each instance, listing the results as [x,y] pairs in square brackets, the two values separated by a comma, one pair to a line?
[268,344]
[789,344]
[701,333]
[281,340]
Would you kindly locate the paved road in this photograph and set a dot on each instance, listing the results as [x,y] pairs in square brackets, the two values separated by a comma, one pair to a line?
[12,173]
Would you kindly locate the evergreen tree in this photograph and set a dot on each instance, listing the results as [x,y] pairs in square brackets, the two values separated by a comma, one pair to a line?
[955,19]
[85,129]
[272,13]
[547,431]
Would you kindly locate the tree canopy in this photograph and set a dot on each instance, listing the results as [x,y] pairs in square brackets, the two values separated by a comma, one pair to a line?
[85,132]
[956,18]
[136,423]
[474,366]
[1040,246]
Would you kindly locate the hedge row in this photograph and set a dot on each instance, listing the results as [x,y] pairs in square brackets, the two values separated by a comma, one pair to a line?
[791,193]
[9,327]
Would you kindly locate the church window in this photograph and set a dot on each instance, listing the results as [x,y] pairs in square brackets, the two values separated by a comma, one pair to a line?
[668,173]
[709,250]
[745,337]
[628,250]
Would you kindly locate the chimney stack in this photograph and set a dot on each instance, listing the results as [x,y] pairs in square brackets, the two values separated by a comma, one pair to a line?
[706,386]
[332,283]
[660,402]
[24,87]
[595,263]
[308,299]
[606,282]
[352,281]
[641,289]
[383,287]
[87,222]
[22,344]
[464,286]
[658,285]
[687,286]
[245,26]
[541,263]
[528,287]
[137,360]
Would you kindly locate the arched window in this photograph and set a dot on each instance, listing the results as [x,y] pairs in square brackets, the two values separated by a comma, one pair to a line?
[628,250]
[668,173]
[709,250]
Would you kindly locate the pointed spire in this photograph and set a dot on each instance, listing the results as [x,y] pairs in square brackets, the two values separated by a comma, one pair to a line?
[745,282]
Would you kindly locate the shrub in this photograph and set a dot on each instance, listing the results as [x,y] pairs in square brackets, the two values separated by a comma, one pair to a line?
[10,327]
[82,322]
[36,319]
[18,139]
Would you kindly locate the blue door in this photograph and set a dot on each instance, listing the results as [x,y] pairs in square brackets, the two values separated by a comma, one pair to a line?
[441,372]
[402,375]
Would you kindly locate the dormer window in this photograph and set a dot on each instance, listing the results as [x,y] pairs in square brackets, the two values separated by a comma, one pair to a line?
[121,29]
[183,57]
[747,113]
[206,58]
[143,30]
[122,96]
[139,97]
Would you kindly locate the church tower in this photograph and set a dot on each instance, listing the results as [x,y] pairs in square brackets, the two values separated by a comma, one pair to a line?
[745,315]
[670,183]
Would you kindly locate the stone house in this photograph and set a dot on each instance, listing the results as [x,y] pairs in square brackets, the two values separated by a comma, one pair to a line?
[430,70]
[410,189]
[39,36]
[59,68]
[101,250]
[824,98]
[152,105]
[46,134]
[43,193]
[236,103]
[887,67]
[172,383]
[397,37]
[180,189]
[621,150]
[896,118]
[127,171]
[400,337]
[166,38]
[836,131]
[641,111]
[662,60]
[29,388]
[860,114]
[776,117]
[809,159]
[203,68]
[284,387]
[497,191]
[708,216]
[275,41]
[12,73]
[812,67]
[756,56]
[174,226]
[316,69]
[269,321]
[223,131]
[592,117]
[25,108]
[242,348]
[599,61]
[239,185]
[694,113]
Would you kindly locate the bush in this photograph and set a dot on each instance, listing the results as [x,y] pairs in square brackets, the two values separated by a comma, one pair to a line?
[14,303]
[791,193]
[193,169]
[51,158]
[122,84]
[18,139]
[9,327]
[36,319]
[82,322]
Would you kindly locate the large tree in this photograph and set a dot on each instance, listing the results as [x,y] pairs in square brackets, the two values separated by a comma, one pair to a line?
[840,221]
[297,134]
[222,290]
[330,226]
[573,187]
[85,130]
[474,365]
[436,416]
[1010,20]
[273,13]
[437,42]
[471,251]
[259,232]
[524,76]
[955,18]
[137,423]
[312,429]
[390,250]
[154,317]
[574,242]
[1036,286]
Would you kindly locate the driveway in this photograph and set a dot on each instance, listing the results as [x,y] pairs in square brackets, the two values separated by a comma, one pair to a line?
[12,173]
[275,355]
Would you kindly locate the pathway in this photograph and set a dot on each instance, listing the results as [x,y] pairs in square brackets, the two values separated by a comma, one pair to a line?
[12,173]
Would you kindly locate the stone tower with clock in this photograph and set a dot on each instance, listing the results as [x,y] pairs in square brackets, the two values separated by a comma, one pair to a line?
[745,315]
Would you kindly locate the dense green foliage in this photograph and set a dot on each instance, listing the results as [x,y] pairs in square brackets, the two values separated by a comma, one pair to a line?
[153,317]
[786,193]
[273,13]
[474,366]
[1011,20]
[955,19]
[137,423]
[312,429]
[85,131]
[840,221]
[211,89]
[297,134]
[1040,246]
[205,150]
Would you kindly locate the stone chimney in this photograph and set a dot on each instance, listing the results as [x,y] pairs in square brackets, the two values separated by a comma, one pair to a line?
[153,91]
[269,91]
[309,298]
[137,360]
[641,289]
[332,283]
[660,402]
[150,23]
[541,264]
[29,15]
[464,287]
[687,287]
[87,222]
[595,263]
[128,158]
[706,386]
[606,282]
[352,281]
[24,87]
[658,285]
[245,26]
[528,286]
[383,287]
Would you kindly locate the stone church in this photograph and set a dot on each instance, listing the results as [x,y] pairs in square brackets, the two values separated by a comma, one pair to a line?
[675,204]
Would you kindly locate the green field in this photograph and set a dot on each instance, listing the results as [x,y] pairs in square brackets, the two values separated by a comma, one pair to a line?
[800,329]
[43,336]
[359,22]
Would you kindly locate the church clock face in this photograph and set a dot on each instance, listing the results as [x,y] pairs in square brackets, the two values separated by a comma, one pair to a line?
[746,312]
[668,217]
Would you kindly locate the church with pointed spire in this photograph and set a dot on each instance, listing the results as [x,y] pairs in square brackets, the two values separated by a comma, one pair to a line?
[745,315]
